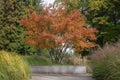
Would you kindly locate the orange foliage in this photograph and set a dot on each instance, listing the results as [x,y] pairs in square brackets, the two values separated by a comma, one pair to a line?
[54,26]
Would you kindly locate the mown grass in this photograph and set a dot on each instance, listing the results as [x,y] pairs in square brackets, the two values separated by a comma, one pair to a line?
[35,60]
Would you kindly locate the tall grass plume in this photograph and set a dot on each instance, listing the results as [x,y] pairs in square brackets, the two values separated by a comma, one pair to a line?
[13,67]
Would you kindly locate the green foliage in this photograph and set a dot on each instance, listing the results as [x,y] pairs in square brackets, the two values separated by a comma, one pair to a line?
[36,60]
[13,67]
[25,49]
[33,3]
[106,63]
[105,16]
[74,4]
[43,58]
[104,8]
[11,33]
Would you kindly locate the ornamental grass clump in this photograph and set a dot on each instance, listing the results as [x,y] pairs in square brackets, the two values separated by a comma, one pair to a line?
[106,62]
[13,67]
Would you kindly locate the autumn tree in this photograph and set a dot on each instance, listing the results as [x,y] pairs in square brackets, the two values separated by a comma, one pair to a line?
[57,31]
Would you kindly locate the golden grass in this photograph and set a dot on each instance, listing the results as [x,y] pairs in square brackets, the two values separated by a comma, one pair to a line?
[13,67]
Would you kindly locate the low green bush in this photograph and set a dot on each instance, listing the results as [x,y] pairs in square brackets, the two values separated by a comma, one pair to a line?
[106,63]
[36,60]
[13,67]
[40,60]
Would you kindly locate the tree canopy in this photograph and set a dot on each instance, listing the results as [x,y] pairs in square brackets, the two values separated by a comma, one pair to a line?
[11,32]
[82,5]
[105,16]
[56,30]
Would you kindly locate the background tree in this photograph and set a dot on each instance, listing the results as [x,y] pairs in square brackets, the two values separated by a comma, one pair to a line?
[33,3]
[102,14]
[105,16]
[11,32]
[82,5]
[57,31]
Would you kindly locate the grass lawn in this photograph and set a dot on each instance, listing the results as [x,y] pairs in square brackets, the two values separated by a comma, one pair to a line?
[36,60]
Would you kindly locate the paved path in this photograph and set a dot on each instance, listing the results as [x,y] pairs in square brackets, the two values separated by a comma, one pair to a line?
[60,77]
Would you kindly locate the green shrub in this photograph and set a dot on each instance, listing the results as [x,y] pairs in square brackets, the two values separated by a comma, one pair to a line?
[13,67]
[36,60]
[106,63]
[40,60]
